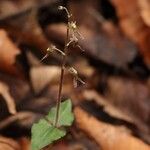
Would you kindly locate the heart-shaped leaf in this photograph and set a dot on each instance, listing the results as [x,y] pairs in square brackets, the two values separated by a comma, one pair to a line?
[44,132]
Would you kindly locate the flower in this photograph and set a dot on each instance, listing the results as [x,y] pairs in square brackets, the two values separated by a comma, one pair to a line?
[51,50]
[74,30]
[76,78]
[74,35]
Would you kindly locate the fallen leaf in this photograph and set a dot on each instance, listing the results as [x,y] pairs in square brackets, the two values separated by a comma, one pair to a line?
[108,107]
[4,91]
[25,143]
[145,10]
[41,76]
[118,52]
[132,98]
[8,53]
[106,135]
[8,144]
[25,119]
[133,26]
[11,8]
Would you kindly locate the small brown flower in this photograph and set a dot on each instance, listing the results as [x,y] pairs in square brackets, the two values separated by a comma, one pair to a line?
[74,35]
[76,78]
[51,50]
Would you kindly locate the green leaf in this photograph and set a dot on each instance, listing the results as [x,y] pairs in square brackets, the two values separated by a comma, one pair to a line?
[66,116]
[44,134]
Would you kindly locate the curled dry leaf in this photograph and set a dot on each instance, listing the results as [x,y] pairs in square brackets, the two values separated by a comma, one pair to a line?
[8,144]
[109,137]
[133,25]
[108,107]
[4,91]
[8,53]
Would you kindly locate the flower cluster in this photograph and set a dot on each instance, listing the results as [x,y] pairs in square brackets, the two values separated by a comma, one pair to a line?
[74,36]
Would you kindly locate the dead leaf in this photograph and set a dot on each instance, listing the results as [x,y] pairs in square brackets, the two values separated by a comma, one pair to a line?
[108,107]
[11,8]
[18,88]
[8,53]
[145,10]
[30,31]
[133,25]
[107,136]
[132,98]
[4,91]
[25,143]
[24,118]
[8,144]
[42,76]
[113,49]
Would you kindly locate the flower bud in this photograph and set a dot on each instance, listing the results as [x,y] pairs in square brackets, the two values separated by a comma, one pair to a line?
[60,7]
[73,71]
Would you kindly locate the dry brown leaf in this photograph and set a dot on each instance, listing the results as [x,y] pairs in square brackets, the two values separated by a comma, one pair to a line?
[42,76]
[4,91]
[108,107]
[133,25]
[8,144]
[83,67]
[109,137]
[118,52]
[56,32]
[8,53]
[13,7]
[10,8]
[124,106]
[145,10]
[25,119]
[18,87]
[30,31]
[25,143]
[132,98]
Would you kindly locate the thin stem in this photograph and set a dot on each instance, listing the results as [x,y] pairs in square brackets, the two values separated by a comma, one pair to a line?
[68,14]
[58,50]
[62,77]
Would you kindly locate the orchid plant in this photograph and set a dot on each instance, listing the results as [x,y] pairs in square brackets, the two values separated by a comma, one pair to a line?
[51,127]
